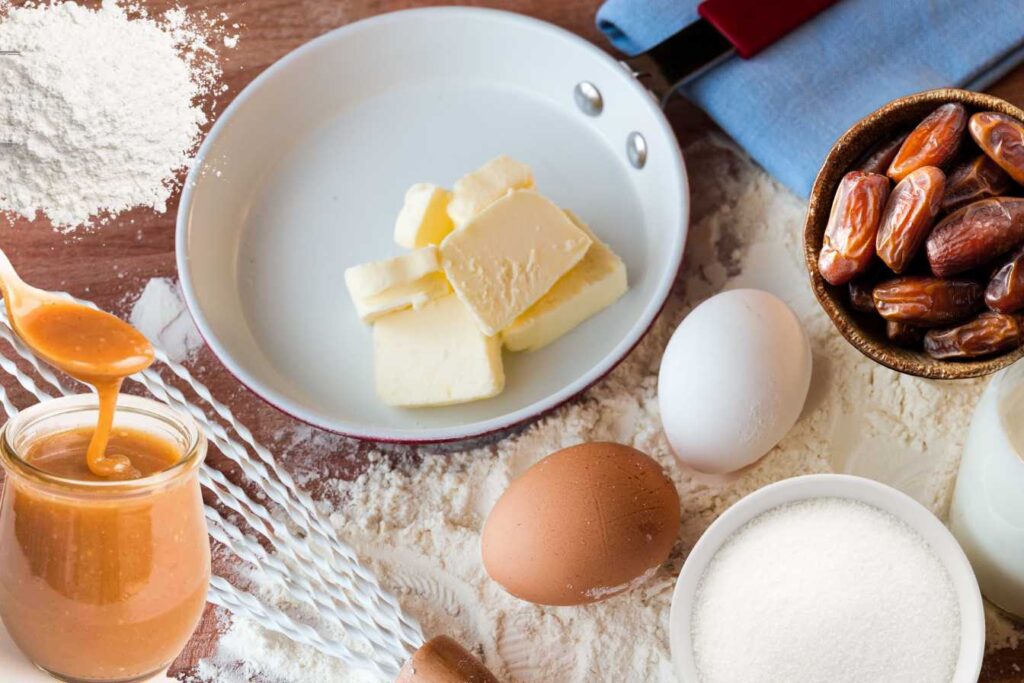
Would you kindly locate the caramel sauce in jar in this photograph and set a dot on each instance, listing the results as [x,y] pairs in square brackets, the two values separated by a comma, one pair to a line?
[102,579]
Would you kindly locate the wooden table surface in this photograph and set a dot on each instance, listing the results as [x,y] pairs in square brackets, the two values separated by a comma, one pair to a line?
[112,264]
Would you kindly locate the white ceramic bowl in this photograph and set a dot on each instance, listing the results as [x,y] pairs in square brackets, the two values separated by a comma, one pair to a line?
[900,505]
[303,174]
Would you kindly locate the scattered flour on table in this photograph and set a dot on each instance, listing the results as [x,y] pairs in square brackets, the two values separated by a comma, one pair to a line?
[161,315]
[104,106]
[417,525]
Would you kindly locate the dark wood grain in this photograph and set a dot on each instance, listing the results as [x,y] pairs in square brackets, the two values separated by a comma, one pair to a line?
[111,265]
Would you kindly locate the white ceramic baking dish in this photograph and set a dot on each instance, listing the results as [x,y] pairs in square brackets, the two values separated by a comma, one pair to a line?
[304,173]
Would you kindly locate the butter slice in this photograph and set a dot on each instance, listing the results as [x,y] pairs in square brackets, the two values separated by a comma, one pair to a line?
[509,256]
[435,356]
[475,191]
[409,280]
[423,219]
[594,284]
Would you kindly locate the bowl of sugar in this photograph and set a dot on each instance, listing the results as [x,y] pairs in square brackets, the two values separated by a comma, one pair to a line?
[827,577]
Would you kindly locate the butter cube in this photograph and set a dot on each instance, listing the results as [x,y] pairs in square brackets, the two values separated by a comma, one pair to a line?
[475,191]
[435,356]
[509,256]
[423,219]
[594,284]
[409,280]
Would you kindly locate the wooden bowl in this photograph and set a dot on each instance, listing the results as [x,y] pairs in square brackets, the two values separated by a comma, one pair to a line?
[866,331]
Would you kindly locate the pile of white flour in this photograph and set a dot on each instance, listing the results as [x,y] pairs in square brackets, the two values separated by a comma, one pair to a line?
[418,525]
[103,107]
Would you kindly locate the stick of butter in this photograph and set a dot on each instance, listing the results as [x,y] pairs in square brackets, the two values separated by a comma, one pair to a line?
[509,256]
[475,191]
[435,356]
[409,280]
[423,219]
[594,284]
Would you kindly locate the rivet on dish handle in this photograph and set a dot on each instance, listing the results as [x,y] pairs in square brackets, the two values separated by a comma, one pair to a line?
[588,98]
[442,660]
[636,149]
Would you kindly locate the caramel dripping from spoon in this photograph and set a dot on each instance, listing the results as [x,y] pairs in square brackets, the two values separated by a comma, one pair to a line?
[92,346]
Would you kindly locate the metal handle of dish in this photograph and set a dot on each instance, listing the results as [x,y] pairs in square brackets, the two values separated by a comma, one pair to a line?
[726,28]
[442,660]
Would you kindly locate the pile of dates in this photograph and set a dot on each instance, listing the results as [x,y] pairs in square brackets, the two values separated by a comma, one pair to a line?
[928,234]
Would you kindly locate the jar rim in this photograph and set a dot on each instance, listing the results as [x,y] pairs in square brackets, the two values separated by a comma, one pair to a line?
[183,424]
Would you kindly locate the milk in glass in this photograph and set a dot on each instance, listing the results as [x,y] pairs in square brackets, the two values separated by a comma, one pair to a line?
[987,515]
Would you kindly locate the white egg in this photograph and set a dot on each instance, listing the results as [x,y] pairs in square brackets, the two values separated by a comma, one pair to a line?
[733,380]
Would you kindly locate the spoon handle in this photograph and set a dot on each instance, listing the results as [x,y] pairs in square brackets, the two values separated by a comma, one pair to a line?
[8,276]
[14,290]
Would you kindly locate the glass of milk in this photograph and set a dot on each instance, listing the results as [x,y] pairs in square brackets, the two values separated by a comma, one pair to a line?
[987,516]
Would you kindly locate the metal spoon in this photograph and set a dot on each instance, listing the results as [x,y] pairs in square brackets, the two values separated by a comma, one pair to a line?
[23,301]
[92,346]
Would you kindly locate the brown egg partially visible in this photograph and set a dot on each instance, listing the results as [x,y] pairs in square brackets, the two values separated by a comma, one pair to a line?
[581,525]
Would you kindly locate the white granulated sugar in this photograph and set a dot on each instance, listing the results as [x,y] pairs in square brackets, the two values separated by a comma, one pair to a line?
[418,526]
[825,591]
[160,314]
[103,105]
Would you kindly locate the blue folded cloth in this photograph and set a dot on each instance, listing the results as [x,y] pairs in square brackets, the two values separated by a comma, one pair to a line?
[787,105]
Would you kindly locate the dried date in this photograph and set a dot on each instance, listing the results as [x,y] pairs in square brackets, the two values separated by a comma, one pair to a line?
[909,215]
[928,301]
[988,334]
[879,159]
[979,178]
[849,243]
[934,142]
[904,334]
[976,235]
[862,296]
[1002,138]
[1005,292]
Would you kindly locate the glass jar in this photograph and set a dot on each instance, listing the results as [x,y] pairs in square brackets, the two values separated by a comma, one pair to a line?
[102,580]
[987,514]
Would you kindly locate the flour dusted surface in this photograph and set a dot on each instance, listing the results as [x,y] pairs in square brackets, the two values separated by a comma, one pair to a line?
[103,106]
[418,524]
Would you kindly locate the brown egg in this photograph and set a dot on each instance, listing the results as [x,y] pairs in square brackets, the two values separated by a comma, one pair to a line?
[581,525]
